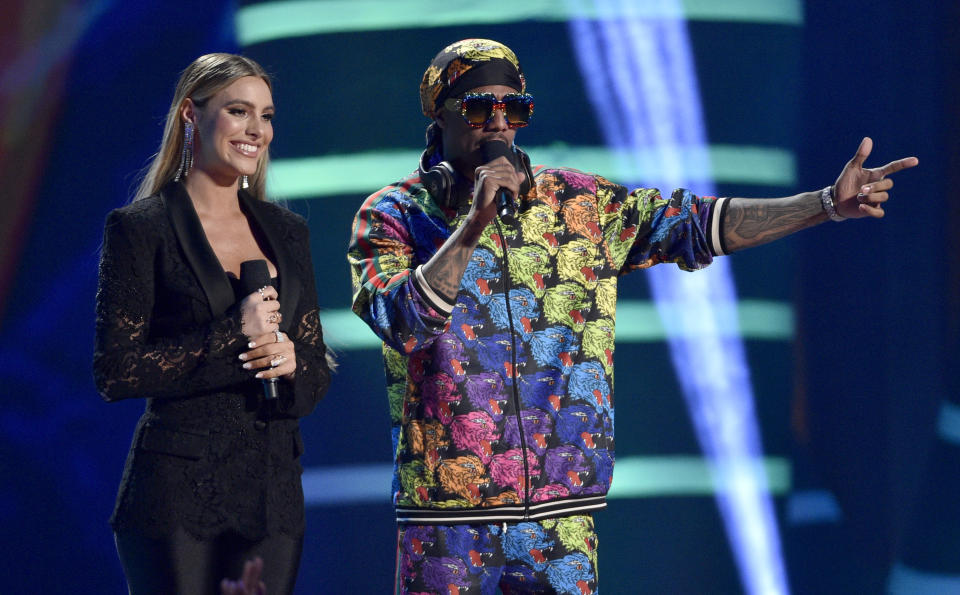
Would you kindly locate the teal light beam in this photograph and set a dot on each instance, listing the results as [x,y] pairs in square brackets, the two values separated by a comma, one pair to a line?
[636,477]
[643,477]
[334,175]
[637,322]
[268,21]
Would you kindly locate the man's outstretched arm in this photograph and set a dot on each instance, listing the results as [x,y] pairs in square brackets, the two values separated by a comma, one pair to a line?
[858,192]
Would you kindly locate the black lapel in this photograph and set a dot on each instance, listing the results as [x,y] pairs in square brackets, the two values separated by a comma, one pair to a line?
[271,228]
[199,254]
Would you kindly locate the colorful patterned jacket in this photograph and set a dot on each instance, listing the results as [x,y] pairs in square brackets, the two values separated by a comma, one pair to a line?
[502,408]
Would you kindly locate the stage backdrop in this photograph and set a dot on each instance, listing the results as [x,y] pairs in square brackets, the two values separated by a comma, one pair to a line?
[793,465]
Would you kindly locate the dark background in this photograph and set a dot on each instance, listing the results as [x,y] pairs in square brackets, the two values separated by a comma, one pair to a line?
[852,402]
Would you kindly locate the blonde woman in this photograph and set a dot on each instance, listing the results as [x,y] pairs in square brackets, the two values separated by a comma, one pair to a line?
[212,477]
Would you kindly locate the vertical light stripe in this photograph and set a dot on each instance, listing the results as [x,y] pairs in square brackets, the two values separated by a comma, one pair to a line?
[643,70]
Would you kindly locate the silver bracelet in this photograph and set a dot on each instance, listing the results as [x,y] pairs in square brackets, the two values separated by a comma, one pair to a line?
[826,199]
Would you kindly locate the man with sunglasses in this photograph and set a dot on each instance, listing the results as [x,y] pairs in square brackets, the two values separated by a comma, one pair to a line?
[498,330]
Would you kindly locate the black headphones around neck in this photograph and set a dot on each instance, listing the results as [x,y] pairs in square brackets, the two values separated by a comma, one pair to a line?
[440,179]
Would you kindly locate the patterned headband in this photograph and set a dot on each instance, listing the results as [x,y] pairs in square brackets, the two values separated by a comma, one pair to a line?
[465,65]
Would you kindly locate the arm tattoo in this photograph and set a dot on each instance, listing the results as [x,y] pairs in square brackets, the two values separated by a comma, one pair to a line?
[445,269]
[751,222]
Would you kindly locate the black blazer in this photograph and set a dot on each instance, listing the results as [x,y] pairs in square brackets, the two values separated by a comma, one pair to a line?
[209,454]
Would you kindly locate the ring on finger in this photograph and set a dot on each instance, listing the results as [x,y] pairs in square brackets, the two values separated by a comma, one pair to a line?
[277,361]
[279,335]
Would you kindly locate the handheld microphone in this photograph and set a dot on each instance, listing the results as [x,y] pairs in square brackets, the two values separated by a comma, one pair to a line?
[255,274]
[488,152]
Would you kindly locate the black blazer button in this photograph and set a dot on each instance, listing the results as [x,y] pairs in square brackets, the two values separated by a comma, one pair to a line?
[260,424]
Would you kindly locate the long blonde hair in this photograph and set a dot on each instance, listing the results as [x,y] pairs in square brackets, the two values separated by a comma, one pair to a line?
[200,81]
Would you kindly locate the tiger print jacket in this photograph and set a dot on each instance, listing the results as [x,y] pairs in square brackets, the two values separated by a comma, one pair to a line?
[501,400]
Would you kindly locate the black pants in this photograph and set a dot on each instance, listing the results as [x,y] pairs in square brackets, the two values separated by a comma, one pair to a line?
[182,564]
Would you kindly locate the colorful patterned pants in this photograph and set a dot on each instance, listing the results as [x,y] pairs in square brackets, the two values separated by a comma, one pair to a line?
[550,556]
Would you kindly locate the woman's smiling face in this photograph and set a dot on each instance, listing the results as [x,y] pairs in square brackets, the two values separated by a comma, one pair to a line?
[234,128]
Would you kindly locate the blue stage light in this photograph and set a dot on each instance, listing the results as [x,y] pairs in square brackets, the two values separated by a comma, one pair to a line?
[640,76]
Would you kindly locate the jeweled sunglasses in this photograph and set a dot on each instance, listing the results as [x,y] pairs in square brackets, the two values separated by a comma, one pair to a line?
[477,108]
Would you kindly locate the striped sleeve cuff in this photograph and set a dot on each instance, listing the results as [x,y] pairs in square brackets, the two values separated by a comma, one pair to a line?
[715,226]
[433,298]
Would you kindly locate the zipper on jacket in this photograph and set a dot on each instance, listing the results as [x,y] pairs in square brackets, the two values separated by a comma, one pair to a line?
[513,372]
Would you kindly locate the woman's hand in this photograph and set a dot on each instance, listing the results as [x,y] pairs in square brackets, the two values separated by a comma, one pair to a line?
[260,313]
[272,355]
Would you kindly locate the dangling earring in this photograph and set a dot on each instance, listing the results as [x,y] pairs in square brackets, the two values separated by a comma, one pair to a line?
[244,182]
[186,154]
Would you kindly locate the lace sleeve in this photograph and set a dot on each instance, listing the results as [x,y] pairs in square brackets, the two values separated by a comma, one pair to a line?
[127,363]
[313,372]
